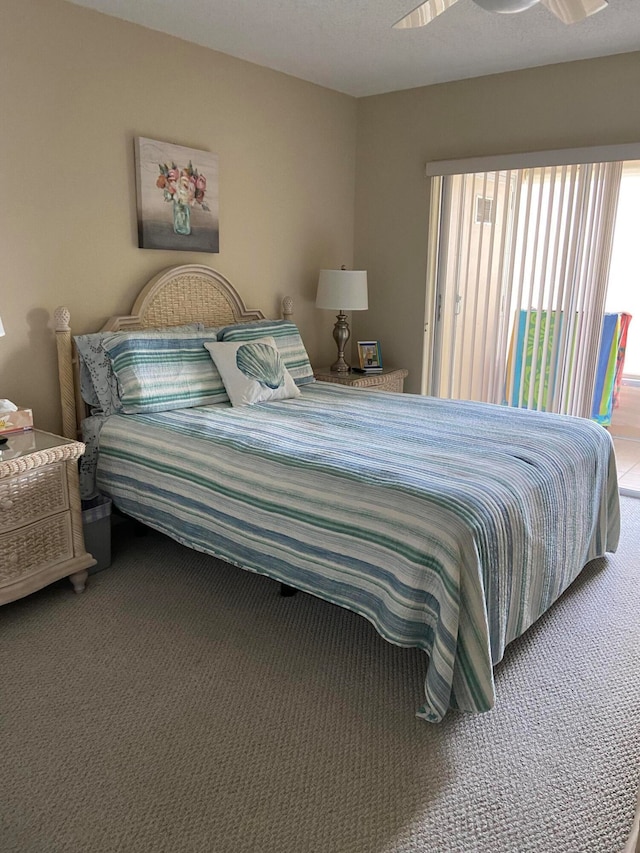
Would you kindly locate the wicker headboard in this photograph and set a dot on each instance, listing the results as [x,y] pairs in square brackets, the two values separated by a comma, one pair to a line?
[191,293]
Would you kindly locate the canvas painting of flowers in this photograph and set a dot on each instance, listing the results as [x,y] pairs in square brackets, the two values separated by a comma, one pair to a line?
[177,194]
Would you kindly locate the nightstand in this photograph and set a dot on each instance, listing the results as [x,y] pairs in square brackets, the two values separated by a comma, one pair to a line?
[41,536]
[391,378]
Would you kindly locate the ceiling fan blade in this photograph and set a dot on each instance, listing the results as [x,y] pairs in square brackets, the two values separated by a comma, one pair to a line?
[423,14]
[573,11]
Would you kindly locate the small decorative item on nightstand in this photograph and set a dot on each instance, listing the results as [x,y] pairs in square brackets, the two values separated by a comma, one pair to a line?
[369,357]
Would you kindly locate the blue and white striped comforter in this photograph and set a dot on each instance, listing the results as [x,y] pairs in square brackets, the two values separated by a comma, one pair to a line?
[450,526]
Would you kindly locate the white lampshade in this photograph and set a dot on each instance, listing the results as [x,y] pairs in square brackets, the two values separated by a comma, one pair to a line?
[1,328]
[343,290]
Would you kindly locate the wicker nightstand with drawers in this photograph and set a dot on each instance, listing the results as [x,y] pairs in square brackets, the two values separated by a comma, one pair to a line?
[41,536]
[391,378]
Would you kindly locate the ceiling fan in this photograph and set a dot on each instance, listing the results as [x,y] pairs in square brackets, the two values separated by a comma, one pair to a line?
[569,11]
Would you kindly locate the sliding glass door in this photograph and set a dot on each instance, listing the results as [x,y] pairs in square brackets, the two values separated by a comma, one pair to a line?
[523,258]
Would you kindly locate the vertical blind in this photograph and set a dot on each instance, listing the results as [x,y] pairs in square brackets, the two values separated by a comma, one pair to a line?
[524,257]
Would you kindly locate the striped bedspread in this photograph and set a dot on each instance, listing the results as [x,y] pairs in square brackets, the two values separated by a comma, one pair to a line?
[450,526]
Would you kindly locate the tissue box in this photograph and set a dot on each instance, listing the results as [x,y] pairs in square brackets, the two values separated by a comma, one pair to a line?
[16,421]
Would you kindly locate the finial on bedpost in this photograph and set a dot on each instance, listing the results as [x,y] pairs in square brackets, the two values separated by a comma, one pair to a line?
[62,317]
[287,307]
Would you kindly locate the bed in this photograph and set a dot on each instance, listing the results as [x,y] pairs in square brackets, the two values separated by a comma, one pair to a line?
[450,526]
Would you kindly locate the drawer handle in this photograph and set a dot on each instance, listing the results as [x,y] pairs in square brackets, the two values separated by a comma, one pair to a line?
[6,503]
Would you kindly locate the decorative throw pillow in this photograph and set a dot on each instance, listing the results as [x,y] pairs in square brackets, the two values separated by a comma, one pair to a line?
[252,371]
[157,373]
[288,341]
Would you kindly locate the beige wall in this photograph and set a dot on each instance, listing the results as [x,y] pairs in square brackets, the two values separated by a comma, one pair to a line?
[571,105]
[76,87]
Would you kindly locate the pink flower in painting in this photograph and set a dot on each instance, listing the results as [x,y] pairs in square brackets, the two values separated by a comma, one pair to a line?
[183,185]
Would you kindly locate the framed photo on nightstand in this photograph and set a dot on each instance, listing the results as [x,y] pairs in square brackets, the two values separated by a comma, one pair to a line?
[369,355]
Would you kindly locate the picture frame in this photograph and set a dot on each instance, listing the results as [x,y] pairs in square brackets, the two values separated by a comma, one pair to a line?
[177,197]
[369,355]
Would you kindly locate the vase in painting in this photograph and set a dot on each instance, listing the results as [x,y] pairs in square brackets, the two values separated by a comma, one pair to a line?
[181,218]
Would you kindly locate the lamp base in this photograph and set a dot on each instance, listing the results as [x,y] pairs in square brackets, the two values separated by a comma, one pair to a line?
[340,366]
[341,334]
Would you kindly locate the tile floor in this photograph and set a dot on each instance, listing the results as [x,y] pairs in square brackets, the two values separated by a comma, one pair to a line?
[625,429]
[628,462]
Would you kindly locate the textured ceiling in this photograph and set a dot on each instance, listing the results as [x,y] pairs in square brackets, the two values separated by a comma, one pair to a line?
[350,46]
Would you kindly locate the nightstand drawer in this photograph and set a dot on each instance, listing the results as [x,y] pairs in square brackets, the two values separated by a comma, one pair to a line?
[35,547]
[33,495]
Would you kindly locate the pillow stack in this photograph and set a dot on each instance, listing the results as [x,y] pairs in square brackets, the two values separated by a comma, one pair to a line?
[181,367]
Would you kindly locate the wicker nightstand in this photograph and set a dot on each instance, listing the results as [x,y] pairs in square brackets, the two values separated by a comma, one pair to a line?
[391,378]
[40,515]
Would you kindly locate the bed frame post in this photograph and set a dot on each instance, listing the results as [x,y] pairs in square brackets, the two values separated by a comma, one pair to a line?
[65,372]
[287,308]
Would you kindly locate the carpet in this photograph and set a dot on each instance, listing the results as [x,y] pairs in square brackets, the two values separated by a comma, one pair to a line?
[180,704]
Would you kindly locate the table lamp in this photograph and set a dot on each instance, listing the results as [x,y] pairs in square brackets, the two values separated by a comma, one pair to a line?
[344,290]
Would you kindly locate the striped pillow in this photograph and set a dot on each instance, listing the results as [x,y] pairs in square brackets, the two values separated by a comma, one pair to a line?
[98,386]
[159,372]
[288,341]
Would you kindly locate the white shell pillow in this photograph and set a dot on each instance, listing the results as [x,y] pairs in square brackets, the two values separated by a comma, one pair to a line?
[252,371]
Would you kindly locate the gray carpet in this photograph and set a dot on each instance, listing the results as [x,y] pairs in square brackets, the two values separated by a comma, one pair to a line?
[181,705]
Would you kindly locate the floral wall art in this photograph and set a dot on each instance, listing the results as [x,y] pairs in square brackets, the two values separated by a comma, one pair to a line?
[177,193]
